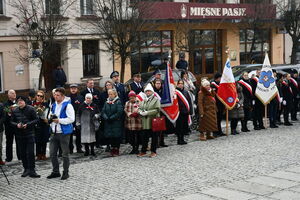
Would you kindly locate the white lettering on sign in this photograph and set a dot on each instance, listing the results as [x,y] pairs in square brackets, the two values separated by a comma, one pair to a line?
[206,11]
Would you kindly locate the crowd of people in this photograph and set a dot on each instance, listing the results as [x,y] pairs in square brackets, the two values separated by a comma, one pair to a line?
[105,119]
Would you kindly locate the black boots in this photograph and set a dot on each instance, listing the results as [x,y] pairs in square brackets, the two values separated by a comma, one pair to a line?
[244,126]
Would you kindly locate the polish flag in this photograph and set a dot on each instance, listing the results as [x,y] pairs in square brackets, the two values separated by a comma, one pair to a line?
[227,89]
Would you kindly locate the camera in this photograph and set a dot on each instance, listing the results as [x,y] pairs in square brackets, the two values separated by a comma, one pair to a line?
[52,117]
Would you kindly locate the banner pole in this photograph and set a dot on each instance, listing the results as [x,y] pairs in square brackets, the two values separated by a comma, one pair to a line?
[266,115]
[226,121]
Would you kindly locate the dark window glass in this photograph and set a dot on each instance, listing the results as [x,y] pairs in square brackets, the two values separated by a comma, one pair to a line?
[149,50]
[86,7]
[251,45]
[255,1]
[1,7]
[53,7]
[207,1]
[90,53]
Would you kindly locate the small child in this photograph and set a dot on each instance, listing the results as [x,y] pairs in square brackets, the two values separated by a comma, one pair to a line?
[133,121]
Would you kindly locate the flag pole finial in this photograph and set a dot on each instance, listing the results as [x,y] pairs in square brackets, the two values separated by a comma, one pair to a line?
[169,55]
[227,51]
[266,48]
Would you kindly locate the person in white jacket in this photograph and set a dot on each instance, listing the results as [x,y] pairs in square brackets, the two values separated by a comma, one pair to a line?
[62,116]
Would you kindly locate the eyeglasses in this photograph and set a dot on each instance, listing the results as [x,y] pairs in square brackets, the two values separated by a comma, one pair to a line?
[40,96]
[108,85]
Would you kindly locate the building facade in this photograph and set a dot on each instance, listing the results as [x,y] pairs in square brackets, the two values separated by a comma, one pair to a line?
[206,31]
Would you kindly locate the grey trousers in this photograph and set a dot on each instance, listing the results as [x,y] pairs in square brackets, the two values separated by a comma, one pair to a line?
[1,147]
[59,140]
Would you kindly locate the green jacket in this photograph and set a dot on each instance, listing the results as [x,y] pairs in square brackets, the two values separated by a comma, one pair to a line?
[112,114]
[152,106]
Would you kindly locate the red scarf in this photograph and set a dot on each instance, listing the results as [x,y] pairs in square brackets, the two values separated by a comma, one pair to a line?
[246,85]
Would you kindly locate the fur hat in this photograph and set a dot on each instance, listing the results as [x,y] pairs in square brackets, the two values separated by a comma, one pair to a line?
[205,83]
[89,95]
[131,94]
[149,88]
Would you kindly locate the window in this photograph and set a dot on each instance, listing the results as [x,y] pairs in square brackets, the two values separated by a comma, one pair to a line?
[86,7]
[53,7]
[255,1]
[90,54]
[1,7]
[208,1]
[251,45]
[149,50]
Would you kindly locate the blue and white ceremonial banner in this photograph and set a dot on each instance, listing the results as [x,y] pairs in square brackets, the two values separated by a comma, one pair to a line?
[266,88]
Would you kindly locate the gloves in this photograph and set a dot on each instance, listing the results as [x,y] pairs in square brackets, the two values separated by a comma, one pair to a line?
[284,102]
[134,115]
[281,99]
[144,113]
[253,102]
[238,105]
[77,123]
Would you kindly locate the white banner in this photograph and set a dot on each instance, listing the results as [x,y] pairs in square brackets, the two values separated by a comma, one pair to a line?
[266,88]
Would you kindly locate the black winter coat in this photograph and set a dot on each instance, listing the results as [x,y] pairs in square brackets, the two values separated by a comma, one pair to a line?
[95,93]
[248,96]
[26,115]
[2,117]
[287,93]
[182,108]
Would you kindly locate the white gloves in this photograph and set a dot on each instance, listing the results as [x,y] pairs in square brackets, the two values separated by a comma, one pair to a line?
[253,102]
[144,113]
[284,102]
[281,99]
[97,116]
[77,123]
[238,105]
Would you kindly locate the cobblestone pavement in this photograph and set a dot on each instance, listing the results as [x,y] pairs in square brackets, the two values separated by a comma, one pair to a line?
[256,165]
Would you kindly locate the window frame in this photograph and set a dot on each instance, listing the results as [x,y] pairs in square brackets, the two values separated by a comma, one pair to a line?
[97,60]
[2,7]
[1,73]
[247,44]
[83,8]
[47,3]
[140,48]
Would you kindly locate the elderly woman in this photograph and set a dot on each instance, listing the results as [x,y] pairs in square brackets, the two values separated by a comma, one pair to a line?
[237,113]
[149,109]
[112,114]
[207,111]
[133,121]
[42,133]
[87,119]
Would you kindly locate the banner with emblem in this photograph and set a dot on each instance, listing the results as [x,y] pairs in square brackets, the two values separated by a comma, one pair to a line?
[227,89]
[266,88]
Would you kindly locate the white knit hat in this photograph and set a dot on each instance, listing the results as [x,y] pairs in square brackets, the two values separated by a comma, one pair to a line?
[89,95]
[149,87]
[205,83]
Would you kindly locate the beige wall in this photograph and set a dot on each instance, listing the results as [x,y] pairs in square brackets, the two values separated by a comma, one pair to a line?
[10,61]
[277,48]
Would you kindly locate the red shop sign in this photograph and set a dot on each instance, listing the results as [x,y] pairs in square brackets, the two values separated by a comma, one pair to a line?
[176,10]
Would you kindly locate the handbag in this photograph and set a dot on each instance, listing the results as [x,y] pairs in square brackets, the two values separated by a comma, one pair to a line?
[159,124]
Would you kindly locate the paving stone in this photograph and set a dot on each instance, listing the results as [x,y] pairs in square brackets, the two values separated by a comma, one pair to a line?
[286,175]
[296,189]
[195,197]
[273,182]
[294,169]
[249,187]
[286,195]
[229,194]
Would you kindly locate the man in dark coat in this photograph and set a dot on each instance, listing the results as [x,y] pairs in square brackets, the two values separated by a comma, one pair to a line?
[182,63]
[24,119]
[115,77]
[2,119]
[137,84]
[287,102]
[90,89]
[9,129]
[220,106]
[76,100]
[273,107]
[295,88]
[258,106]
[164,64]
[59,76]
[248,96]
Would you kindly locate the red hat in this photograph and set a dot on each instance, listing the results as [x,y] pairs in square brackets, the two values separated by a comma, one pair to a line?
[131,94]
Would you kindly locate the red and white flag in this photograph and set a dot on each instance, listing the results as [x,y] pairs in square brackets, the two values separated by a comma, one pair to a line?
[227,89]
[169,101]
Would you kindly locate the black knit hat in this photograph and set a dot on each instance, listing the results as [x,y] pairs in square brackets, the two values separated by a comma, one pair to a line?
[21,98]
[217,75]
